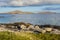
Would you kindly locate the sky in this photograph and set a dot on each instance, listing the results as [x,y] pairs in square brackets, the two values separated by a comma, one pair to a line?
[28,5]
[27,2]
[53,8]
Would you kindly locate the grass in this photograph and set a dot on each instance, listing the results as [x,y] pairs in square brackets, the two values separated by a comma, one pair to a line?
[28,36]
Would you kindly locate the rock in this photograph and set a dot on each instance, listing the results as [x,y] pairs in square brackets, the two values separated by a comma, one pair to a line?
[48,29]
[36,31]
[23,26]
[43,31]
[31,27]
[36,27]
[55,31]
[3,26]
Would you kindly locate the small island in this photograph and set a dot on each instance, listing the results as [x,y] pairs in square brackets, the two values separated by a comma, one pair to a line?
[19,12]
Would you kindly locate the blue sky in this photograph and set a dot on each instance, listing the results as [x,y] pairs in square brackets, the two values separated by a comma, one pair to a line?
[27,7]
[54,8]
[30,9]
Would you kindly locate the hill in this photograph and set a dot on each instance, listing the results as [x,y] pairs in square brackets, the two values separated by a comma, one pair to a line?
[46,12]
[19,12]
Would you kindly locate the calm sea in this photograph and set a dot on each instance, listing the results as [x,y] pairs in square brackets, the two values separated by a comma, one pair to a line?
[53,19]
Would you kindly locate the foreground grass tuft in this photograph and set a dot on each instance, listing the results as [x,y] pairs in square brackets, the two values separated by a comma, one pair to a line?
[28,36]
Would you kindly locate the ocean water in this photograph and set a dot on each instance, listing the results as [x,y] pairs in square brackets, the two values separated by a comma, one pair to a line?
[40,19]
[53,19]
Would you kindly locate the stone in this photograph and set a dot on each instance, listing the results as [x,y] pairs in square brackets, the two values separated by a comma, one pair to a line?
[43,31]
[23,26]
[31,27]
[48,29]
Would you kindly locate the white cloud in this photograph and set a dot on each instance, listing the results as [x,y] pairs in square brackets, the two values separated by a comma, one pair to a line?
[16,3]
[27,2]
[24,2]
[53,1]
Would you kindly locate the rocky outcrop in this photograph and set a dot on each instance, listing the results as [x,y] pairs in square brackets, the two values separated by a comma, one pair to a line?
[21,26]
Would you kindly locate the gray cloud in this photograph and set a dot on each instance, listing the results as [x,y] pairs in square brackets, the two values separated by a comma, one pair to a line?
[27,2]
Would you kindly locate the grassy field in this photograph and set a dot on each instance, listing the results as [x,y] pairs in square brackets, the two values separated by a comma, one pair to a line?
[28,36]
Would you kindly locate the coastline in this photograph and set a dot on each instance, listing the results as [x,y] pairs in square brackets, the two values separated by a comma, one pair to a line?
[27,27]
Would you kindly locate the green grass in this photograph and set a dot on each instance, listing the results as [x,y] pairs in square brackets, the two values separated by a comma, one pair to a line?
[27,36]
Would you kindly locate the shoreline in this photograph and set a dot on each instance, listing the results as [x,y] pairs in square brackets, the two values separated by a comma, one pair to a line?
[26,27]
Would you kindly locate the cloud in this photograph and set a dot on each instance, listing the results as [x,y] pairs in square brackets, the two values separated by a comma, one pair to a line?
[24,2]
[52,1]
[27,2]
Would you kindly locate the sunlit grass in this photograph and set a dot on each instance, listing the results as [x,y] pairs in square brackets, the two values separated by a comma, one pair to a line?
[28,36]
